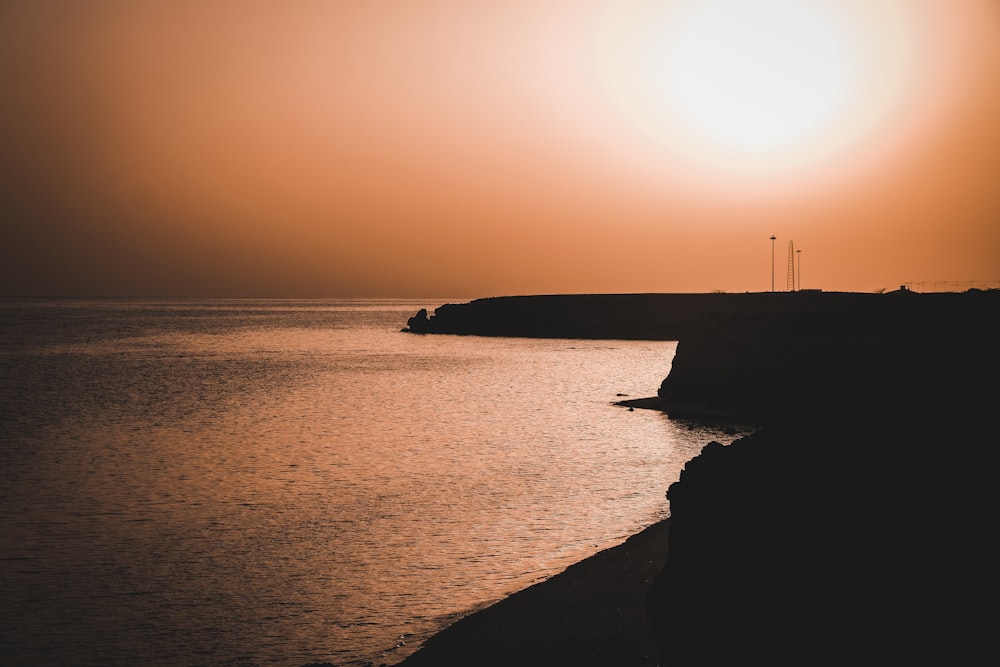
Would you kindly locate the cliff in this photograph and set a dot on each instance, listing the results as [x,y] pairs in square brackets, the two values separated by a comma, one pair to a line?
[895,348]
[851,528]
[621,316]
[855,526]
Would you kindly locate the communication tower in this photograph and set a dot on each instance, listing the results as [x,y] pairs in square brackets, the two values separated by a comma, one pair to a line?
[791,267]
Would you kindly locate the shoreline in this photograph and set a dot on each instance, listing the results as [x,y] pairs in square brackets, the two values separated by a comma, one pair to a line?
[867,473]
[591,613]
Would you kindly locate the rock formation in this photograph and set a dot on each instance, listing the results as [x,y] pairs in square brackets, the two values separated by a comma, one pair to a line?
[856,525]
[418,323]
[850,528]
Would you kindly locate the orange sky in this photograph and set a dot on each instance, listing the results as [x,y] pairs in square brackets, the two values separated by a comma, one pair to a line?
[463,149]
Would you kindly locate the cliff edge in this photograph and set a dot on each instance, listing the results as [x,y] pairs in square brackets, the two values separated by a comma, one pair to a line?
[852,527]
[622,316]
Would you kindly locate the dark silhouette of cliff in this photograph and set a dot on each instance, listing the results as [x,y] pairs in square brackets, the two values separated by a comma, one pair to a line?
[855,526]
[852,527]
[867,351]
[620,316]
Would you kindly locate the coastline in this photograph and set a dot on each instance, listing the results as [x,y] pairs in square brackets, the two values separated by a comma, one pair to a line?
[806,538]
[591,613]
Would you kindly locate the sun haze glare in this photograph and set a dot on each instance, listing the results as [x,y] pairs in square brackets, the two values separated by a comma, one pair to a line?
[761,86]
[405,148]
[758,76]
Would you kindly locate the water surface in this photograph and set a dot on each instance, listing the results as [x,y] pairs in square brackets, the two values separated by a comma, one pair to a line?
[279,482]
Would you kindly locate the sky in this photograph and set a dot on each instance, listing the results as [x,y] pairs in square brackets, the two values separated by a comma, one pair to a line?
[445,148]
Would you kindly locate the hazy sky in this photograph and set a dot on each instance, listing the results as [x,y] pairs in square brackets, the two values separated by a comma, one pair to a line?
[462,149]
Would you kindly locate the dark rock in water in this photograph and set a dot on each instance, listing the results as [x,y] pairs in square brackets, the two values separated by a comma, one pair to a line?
[418,323]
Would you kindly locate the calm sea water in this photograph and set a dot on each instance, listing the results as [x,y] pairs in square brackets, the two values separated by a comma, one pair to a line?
[280,482]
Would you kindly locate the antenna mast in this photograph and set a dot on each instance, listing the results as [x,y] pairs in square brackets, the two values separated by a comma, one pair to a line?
[791,267]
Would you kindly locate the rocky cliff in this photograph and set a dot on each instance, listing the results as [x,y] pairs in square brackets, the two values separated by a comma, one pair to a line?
[776,362]
[853,526]
[621,316]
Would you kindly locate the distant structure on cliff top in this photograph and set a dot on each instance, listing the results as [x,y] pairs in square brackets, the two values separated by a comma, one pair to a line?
[790,284]
[951,285]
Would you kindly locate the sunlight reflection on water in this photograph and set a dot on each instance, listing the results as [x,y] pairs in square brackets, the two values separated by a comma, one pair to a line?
[232,483]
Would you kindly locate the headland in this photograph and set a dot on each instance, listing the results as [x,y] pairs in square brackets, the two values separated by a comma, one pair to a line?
[854,526]
[641,316]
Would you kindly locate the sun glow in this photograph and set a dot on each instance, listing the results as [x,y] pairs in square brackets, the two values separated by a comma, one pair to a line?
[757,86]
[758,75]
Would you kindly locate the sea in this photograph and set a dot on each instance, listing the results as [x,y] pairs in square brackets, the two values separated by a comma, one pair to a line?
[283,482]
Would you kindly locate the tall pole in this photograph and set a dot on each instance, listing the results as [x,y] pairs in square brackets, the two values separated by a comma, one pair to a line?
[790,281]
[799,253]
[772,261]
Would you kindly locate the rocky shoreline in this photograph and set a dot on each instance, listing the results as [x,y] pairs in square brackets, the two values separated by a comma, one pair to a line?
[854,526]
[592,613]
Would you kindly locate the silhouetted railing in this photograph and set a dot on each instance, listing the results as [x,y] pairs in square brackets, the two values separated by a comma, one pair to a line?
[951,285]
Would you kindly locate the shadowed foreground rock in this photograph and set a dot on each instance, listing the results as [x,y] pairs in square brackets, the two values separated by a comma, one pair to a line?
[592,614]
[855,527]
[805,545]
